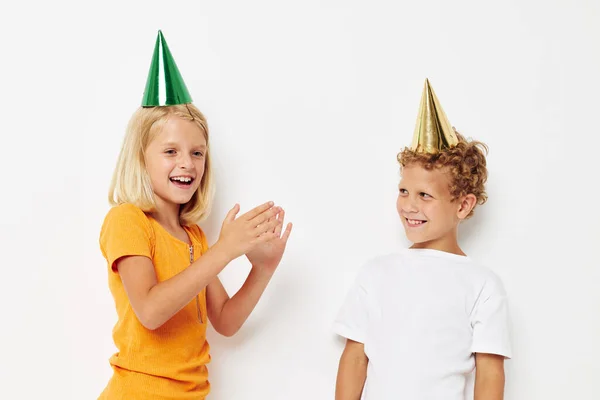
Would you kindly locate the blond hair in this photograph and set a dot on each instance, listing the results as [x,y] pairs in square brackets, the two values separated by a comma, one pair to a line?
[131,182]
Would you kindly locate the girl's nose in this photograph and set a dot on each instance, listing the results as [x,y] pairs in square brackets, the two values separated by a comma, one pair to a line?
[185,162]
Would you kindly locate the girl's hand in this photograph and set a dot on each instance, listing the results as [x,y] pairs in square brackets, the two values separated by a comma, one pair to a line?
[266,255]
[242,234]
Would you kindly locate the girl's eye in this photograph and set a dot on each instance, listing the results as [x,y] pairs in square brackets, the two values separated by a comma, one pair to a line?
[170,151]
[403,191]
[425,195]
[198,154]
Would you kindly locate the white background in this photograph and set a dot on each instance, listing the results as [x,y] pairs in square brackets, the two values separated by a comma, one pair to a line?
[308,103]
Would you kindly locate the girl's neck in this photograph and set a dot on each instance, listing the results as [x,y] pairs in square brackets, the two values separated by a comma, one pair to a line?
[167,215]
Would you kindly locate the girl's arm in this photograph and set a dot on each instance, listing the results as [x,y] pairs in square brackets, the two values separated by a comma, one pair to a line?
[352,372]
[155,303]
[489,377]
[227,315]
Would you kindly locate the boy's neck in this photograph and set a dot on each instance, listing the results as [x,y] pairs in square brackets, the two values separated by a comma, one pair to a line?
[448,244]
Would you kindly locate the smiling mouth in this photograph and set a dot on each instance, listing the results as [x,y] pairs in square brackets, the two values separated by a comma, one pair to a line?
[415,222]
[182,180]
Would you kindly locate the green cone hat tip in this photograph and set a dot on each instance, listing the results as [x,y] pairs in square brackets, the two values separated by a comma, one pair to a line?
[164,86]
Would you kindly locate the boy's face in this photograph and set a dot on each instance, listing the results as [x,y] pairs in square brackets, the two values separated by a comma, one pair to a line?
[175,161]
[425,206]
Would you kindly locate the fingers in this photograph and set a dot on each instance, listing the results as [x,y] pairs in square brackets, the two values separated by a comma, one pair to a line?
[257,211]
[266,227]
[269,220]
[265,237]
[280,218]
[277,229]
[232,213]
[265,216]
[286,234]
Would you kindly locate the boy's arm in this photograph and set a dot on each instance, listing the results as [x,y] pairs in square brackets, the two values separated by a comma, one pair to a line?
[489,377]
[352,372]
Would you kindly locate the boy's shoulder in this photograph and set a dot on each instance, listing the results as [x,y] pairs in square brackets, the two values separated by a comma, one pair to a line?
[410,257]
[382,261]
[383,265]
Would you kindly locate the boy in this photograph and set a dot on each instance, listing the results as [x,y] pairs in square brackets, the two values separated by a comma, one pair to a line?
[419,323]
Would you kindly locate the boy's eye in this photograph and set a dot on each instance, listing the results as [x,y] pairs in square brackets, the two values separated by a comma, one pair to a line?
[198,154]
[170,151]
[425,195]
[403,191]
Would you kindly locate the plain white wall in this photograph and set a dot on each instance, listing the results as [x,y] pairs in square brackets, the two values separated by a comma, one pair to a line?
[308,104]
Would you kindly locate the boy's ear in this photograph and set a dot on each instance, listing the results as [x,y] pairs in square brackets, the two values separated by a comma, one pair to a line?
[467,203]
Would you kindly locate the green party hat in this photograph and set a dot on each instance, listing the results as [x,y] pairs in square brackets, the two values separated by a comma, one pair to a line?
[164,86]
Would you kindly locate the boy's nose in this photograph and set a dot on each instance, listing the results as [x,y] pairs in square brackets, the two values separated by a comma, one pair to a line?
[408,205]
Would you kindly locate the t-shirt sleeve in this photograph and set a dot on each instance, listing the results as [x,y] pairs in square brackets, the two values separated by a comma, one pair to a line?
[126,232]
[353,318]
[491,320]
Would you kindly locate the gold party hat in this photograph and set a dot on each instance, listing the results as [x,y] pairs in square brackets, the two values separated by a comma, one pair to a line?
[433,131]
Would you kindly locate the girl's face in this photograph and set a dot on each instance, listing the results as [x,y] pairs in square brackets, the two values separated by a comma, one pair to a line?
[175,162]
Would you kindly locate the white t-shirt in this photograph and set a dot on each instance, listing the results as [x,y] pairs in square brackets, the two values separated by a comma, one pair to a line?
[421,315]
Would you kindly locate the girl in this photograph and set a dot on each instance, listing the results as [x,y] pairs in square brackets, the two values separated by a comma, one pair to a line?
[162,275]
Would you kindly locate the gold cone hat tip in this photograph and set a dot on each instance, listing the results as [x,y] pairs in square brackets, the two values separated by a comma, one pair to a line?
[433,131]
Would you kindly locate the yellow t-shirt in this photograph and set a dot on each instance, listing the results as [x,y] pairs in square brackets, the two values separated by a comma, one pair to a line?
[169,362]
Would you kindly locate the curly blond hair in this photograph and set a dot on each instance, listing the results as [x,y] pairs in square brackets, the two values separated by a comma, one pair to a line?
[464,162]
